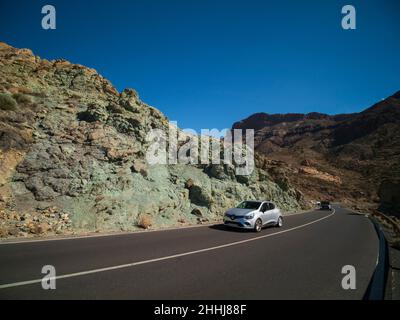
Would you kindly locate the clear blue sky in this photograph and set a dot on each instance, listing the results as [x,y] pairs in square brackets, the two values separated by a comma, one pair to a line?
[209,63]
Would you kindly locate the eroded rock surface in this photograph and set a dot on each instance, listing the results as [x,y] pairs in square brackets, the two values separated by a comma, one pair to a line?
[72,158]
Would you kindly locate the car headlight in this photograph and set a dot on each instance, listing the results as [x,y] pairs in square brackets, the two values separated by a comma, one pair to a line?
[249,217]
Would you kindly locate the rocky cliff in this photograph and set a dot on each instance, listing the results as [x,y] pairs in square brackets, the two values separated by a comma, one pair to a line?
[353,158]
[72,158]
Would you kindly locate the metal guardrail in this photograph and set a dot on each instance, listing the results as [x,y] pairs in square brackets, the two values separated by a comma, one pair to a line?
[377,286]
[391,221]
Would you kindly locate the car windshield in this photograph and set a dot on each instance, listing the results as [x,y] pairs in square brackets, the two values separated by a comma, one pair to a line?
[249,205]
[324,203]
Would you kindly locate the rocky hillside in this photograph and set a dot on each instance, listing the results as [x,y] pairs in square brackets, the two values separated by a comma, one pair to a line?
[351,158]
[72,158]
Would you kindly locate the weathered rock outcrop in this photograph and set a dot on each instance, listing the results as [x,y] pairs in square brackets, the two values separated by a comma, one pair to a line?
[72,158]
[389,195]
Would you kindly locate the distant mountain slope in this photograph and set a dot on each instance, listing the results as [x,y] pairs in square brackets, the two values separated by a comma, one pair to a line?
[342,157]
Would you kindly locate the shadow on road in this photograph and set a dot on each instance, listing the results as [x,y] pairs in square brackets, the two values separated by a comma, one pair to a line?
[222,227]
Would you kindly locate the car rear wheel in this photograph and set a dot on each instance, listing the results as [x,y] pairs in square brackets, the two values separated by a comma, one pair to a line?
[258,226]
[279,224]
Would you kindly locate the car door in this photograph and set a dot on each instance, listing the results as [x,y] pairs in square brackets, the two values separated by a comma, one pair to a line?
[264,212]
[270,213]
[275,212]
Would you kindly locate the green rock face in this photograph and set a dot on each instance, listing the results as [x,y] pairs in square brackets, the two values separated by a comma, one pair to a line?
[78,146]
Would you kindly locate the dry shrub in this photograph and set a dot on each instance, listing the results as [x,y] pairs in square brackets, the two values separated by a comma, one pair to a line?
[25,90]
[7,102]
[22,98]
[39,94]
[145,221]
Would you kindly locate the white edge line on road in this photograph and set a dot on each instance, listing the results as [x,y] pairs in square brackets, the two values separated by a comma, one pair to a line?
[104,235]
[116,234]
[77,274]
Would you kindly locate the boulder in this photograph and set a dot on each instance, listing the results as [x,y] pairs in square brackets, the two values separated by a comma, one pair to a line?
[198,195]
[13,231]
[197,212]
[140,167]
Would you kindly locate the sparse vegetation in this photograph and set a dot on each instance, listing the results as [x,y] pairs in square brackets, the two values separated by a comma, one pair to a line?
[22,98]
[145,221]
[24,90]
[39,94]
[7,102]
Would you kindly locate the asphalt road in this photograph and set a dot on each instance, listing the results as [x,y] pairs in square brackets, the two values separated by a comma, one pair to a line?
[302,260]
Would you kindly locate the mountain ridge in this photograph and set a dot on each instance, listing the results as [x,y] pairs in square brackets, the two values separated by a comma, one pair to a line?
[363,147]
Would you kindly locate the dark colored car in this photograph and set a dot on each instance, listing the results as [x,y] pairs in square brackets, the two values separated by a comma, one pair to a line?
[325,205]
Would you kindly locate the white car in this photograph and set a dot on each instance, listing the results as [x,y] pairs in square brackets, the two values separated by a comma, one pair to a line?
[254,215]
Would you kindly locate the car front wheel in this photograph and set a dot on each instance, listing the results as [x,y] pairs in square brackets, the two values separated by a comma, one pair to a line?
[279,224]
[258,226]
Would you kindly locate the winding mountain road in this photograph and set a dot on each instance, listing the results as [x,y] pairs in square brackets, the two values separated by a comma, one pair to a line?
[302,260]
